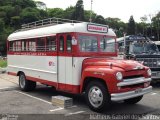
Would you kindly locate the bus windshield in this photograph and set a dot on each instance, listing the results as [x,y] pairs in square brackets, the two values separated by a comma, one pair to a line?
[143,48]
[96,44]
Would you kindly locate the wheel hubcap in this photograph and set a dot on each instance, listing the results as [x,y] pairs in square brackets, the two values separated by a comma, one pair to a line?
[95,96]
[22,81]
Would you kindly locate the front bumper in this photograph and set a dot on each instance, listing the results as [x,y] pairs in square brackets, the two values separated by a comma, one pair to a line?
[130,94]
[133,81]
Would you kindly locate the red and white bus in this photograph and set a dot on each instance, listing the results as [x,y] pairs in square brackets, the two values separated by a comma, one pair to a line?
[76,58]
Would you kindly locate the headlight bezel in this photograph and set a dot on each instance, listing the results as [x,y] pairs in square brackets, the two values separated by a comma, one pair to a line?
[119,76]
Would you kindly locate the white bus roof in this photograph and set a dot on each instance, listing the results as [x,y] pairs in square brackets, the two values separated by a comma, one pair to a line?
[54,29]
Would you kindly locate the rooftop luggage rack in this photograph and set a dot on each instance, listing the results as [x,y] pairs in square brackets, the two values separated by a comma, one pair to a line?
[46,22]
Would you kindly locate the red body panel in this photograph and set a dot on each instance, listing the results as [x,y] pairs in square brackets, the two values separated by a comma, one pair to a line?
[106,70]
[60,86]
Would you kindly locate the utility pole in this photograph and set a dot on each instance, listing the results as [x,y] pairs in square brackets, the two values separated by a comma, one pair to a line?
[158,19]
[151,16]
[91,12]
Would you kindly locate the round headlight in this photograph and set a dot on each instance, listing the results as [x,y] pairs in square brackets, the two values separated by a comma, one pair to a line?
[149,72]
[119,76]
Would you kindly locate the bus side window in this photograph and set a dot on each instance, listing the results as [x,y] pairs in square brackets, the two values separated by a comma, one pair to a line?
[41,44]
[61,43]
[23,45]
[51,44]
[18,45]
[11,46]
[32,45]
[69,43]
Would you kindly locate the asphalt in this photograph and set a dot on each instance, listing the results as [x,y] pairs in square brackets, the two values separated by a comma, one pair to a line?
[8,83]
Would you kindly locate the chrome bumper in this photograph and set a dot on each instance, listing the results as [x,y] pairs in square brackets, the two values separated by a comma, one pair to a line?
[130,94]
[133,81]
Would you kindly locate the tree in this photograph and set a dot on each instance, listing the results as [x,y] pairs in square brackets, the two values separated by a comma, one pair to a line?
[43,14]
[143,20]
[41,5]
[29,15]
[117,25]
[87,15]
[131,26]
[99,19]
[79,11]
[69,12]
[56,12]
[16,21]
[23,3]
[1,25]
[9,12]
[156,25]
[139,28]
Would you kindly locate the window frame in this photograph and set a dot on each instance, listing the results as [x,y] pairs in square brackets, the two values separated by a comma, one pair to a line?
[98,53]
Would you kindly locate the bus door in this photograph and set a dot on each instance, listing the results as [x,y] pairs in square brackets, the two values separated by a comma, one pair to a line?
[64,61]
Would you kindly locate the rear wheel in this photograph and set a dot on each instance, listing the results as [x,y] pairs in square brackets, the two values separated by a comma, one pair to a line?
[97,96]
[26,85]
[133,100]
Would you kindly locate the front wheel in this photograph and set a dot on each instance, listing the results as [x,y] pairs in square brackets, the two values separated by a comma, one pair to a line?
[97,96]
[26,85]
[133,100]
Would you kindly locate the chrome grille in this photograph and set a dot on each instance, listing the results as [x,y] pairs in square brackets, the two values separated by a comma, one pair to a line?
[150,62]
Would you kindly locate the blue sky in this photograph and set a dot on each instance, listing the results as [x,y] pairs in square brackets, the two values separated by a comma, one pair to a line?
[122,9]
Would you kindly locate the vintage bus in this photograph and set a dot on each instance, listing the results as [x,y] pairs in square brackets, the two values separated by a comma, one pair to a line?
[76,57]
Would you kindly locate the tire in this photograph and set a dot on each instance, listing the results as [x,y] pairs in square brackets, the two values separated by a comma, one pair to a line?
[133,100]
[97,89]
[26,85]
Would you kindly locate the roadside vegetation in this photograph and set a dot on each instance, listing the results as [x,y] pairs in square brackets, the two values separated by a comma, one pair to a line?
[14,13]
[3,63]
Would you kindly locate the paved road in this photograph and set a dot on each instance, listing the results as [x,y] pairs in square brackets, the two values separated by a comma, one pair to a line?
[14,101]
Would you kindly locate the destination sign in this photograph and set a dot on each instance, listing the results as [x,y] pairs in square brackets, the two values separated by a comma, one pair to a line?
[97,28]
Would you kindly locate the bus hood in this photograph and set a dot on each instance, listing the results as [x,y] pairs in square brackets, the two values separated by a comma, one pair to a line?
[126,65]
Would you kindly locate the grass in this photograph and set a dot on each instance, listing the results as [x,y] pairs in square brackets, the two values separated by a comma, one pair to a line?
[3,63]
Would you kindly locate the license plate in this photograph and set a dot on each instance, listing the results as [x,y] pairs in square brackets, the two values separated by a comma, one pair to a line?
[138,90]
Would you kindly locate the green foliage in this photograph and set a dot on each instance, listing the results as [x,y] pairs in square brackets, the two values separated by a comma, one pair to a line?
[99,19]
[13,13]
[87,15]
[69,12]
[23,3]
[1,25]
[131,26]
[16,21]
[29,15]
[43,14]
[3,63]
[156,25]
[79,11]
[116,24]
[56,12]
